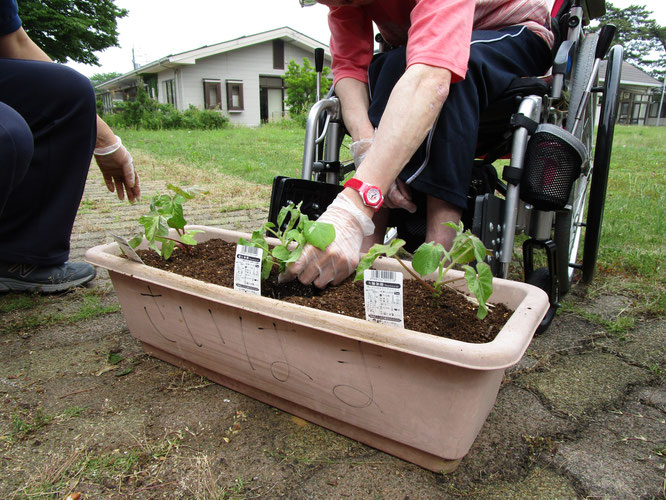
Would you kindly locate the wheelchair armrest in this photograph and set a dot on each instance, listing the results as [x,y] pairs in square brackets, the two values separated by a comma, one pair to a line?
[562,63]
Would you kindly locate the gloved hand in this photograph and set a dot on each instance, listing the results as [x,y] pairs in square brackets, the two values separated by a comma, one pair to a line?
[399,196]
[341,257]
[117,167]
[359,149]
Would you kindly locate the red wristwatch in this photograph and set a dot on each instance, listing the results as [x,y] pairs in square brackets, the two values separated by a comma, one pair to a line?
[371,195]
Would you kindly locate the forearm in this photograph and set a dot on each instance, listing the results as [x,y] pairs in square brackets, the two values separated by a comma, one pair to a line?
[411,112]
[18,45]
[354,102]
[105,136]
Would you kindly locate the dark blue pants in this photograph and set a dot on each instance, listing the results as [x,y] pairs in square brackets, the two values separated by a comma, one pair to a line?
[442,166]
[47,137]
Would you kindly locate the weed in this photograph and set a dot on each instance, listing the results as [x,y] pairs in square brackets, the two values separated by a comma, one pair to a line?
[24,424]
[18,302]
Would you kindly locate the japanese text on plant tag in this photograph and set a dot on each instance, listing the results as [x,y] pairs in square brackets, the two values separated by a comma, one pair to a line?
[126,248]
[383,297]
[247,269]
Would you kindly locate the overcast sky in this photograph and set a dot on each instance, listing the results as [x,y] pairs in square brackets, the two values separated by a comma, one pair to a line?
[157,28]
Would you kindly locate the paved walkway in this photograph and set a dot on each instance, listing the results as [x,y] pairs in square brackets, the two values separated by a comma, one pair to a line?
[582,416]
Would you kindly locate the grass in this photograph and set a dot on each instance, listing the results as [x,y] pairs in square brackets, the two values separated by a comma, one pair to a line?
[29,311]
[631,254]
[253,155]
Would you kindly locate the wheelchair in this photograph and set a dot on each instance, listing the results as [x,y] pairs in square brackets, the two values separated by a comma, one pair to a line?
[553,189]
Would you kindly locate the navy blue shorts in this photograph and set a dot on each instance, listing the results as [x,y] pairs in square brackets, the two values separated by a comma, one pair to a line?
[442,166]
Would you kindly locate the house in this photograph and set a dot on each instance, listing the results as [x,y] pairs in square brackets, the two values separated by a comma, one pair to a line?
[640,96]
[240,77]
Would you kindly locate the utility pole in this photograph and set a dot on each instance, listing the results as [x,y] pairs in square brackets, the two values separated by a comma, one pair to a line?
[661,102]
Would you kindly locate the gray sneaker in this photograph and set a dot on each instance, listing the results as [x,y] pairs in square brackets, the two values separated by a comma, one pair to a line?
[47,279]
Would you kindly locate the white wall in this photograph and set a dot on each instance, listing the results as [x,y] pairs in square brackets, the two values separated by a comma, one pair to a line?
[244,64]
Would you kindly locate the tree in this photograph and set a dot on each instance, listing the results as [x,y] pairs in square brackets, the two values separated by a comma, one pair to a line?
[73,29]
[98,78]
[644,41]
[301,85]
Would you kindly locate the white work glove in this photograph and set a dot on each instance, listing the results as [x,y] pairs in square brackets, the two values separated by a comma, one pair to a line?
[341,257]
[399,195]
[117,167]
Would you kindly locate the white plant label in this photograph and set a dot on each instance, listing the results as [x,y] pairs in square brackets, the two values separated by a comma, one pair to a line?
[247,269]
[126,248]
[383,297]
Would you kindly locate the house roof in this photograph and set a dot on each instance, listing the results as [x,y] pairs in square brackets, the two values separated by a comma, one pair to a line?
[631,75]
[190,57]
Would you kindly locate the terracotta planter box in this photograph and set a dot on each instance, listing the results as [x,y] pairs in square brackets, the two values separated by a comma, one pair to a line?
[420,397]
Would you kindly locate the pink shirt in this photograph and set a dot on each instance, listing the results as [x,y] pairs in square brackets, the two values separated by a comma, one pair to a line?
[436,32]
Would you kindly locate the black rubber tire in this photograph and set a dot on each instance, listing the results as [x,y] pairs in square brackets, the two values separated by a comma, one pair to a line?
[569,223]
[602,156]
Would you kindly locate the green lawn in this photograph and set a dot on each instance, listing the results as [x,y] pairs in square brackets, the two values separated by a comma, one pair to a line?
[253,154]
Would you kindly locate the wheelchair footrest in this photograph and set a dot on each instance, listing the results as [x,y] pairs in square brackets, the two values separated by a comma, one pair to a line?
[314,196]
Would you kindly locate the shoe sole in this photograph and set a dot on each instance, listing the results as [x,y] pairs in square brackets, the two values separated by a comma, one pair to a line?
[12,285]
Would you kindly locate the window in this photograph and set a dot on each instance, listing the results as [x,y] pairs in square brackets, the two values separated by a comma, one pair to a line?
[212,94]
[278,54]
[234,95]
[170,92]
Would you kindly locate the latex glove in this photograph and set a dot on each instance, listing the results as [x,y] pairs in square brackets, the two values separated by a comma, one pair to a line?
[399,196]
[359,149]
[117,167]
[341,257]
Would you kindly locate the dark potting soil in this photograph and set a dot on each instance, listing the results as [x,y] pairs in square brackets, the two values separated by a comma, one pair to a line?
[450,315]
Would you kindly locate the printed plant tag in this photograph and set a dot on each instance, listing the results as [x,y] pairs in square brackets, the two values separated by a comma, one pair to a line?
[126,248]
[247,269]
[383,297]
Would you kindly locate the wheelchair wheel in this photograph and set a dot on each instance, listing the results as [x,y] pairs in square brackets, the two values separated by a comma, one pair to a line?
[602,155]
[570,222]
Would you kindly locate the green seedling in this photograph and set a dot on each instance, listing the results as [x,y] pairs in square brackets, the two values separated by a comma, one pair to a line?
[298,231]
[431,257]
[166,211]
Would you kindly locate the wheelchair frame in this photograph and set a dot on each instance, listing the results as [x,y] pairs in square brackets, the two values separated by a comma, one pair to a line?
[558,233]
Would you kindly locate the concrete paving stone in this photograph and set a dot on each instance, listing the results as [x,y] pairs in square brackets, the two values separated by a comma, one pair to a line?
[654,396]
[607,307]
[540,483]
[621,454]
[517,421]
[643,345]
[567,332]
[580,385]
[350,481]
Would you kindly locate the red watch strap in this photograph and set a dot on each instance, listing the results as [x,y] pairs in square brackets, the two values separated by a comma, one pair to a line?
[354,183]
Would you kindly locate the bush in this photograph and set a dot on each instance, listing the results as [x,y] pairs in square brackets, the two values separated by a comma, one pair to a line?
[146,113]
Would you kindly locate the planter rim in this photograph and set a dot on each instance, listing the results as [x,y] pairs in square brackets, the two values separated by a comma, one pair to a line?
[529,303]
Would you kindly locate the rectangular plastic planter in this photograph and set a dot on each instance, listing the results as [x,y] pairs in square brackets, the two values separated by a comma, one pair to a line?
[420,397]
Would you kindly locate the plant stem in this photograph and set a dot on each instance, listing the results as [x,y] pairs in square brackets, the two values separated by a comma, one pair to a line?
[416,276]
[179,244]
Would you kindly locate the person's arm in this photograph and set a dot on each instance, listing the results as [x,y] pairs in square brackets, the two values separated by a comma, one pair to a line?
[18,45]
[355,101]
[411,111]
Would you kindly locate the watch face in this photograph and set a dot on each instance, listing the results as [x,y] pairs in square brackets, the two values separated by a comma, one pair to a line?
[373,196]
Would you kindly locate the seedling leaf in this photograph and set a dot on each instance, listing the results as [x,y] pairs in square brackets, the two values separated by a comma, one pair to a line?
[319,234]
[376,251]
[427,258]
[480,283]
